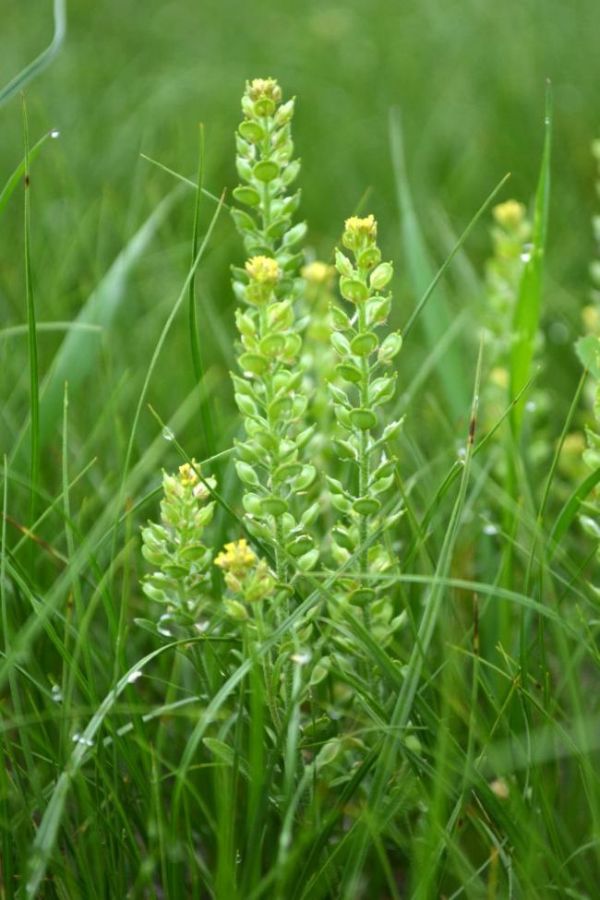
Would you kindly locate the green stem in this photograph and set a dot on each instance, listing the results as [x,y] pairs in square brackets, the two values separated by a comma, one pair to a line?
[363,457]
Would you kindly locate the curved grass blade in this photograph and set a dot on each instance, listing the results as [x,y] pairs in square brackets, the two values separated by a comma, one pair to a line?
[42,61]
[19,173]
[34,380]
[45,839]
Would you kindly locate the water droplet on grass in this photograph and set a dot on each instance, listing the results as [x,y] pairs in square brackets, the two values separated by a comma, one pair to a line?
[168,434]
[490,529]
[55,133]
[526,252]
[134,676]
[57,694]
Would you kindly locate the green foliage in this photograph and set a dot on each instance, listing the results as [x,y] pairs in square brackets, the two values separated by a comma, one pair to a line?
[429,737]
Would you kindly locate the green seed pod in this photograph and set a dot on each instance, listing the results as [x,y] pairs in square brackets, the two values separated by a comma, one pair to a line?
[246,473]
[252,131]
[300,545]
[304,480]
[369,257]
[378,310]
[247,195]
[243,221]
[343,417]
[342,504]
[272,345]
[285,113]
[344,450]
[264,107]
[365,343]
[340,319]
[254,363]
[366,506]
[390,347]
[280,316]
[281,408]
[310,515]
[246,406]
[295,235]
[349,372]
[340,344]
[265,170]
[252,504]
[343,265]
[353,290]
[235,609]
[290,173]
[308,561]
[287,471]
[381,276]
[364,419]
[362,596]
[293,345]
[273,506]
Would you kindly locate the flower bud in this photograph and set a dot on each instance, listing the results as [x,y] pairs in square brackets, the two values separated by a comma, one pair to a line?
[359,233]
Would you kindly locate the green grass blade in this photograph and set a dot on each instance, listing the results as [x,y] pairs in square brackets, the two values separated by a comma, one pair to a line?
[19,173]
[80,348]
[436,320]
[527,311]
[42,61]
[34,385]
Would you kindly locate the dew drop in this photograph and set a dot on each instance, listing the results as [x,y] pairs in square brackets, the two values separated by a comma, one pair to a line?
[55,133]
[162,626]
[168,434]
[57,695]
[490,529]
[559,333]
[526,253]
[81,739]
[302,657]
[134,676]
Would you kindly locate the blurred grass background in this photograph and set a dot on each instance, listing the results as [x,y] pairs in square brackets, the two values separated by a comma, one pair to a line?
[468,78]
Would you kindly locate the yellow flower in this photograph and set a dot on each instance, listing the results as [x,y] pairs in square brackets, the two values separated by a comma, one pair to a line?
[510,214]
[358,228]
[237,558]
[187,475]
[263,270]
[318,273]
[264,88]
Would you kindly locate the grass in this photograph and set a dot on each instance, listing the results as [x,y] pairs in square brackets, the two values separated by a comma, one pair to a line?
[455,757]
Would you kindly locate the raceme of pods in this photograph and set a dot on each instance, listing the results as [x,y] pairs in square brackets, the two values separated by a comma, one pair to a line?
[270,394]
[181,581]
[368,384]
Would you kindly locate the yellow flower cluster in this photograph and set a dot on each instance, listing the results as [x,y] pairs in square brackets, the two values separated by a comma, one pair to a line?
[188,478]
[509,215]
[245,575]
[263,270]
[318,273]
[237,558]
[264,88]
[357,229]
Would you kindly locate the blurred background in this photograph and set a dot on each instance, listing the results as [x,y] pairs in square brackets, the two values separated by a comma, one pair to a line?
[468,79]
